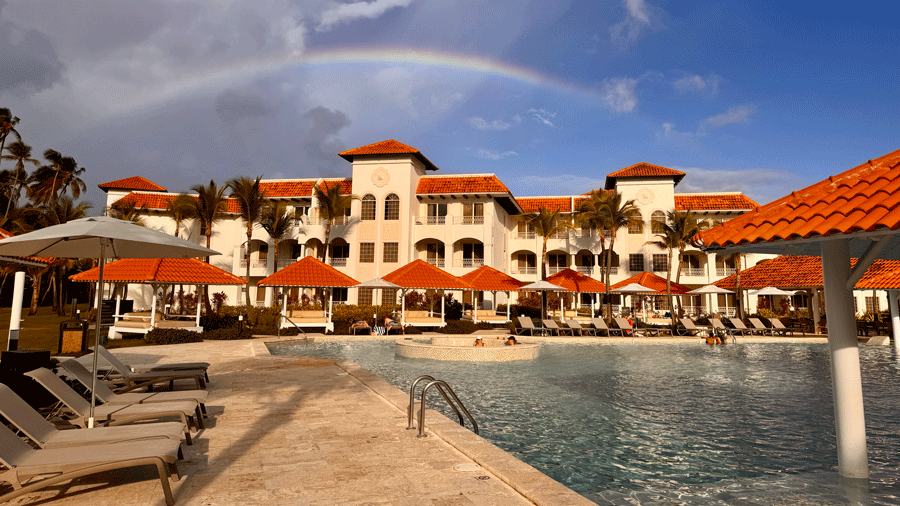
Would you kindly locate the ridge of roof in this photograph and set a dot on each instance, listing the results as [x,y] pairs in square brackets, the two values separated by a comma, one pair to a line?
[643,169]
[132,183]
[388,147]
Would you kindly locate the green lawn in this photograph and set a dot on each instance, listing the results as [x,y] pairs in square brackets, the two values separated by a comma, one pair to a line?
[41,331]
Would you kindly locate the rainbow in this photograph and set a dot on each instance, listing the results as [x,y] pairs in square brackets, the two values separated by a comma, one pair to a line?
[242,70]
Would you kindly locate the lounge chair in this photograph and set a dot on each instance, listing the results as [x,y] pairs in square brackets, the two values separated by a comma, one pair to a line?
[79,372]
[116,414]
[553,327]
[63,464]
[691,328]
[639,332]
[576,327]
[180,366]
[46,435]
[600,326]
[131,380]
[723,331]
[739,325]
[761,327]
[526,325]
[779,327]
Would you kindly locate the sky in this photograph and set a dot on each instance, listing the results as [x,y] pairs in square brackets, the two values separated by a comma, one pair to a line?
[551,96]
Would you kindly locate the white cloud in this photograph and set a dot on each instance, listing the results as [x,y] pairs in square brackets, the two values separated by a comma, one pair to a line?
[345,13]
[762,185]
[482,124]
[698,83]
[736,114]
[670,133]
[630,29]
[638,10]
[618,94]
[543,116]
[488,154]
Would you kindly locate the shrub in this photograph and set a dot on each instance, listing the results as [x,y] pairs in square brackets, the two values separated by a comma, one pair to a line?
[172,336]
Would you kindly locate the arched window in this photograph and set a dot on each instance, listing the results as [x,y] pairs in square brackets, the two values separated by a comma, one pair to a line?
[636,224]
[368,208]
[657,222]
[392,207]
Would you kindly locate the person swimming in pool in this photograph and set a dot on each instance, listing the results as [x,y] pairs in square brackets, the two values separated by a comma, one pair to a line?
[479,341]
[511,341]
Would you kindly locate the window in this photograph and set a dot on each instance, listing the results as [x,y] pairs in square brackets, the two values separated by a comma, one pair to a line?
[657,222]
[636,262]
[473,254]
[872,304]
[557,261]
[526,263]
[388,296]
[391,250]
[525,230]
[296,250]
[660,262]
[364,298]
[437,214]
[263,256]
[690,262]
[300,212]
[339,295]
[367,213]
[367,252]
[636,224]
[392,207]
[473,214]
[434,254]
[614,262]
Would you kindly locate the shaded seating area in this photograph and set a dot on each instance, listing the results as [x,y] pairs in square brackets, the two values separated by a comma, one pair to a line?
[689,328]
[576,283]
[420,275]
[159,274]
[312,273]
[488,279]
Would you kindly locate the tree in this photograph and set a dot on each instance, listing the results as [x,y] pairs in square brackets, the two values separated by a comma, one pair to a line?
[620,214]
[181,208]
[8,124]
[668,240]
[250,200]
[61,211]
[50,181]
[20,153]
[594,214]
[546,223]
[209,207]
[332,205]
[278,223]
[127,210]
[685,226]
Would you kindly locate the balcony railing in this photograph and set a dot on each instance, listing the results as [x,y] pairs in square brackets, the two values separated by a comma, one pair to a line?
[284,262]
[468,220]
[258,264]
[525,235]
[340,220]
[339,262]
[431,220]
[469,262]
[437,262]
[585,269]
[725,271]
[692,271]
[554,270]
[524,270]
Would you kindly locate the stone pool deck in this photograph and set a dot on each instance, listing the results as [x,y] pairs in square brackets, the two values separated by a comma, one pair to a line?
[288,431]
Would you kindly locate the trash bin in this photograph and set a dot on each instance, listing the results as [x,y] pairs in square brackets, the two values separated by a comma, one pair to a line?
[73,336]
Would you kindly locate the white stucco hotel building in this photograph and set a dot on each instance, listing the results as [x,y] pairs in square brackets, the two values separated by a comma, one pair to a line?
[458,222]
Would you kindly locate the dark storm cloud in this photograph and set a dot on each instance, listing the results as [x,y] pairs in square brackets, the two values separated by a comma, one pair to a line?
[232,106]
[320,141]
[27,59]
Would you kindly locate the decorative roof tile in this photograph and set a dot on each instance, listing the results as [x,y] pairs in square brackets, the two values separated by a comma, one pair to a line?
[800,271]
[421,274]
[132,183]
[487,278]
[862,199]
[574,281]
[190,271]
[309,272]
[646,170]
[653,281]
[41,260]
[159,201]
[388,147]
[534,204]
[460,184]
[714,202]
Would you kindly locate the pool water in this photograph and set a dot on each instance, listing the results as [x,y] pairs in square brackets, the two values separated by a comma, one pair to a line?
[667,424]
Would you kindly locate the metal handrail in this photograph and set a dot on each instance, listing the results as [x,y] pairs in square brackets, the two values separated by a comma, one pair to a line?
[441,386]
[292,323]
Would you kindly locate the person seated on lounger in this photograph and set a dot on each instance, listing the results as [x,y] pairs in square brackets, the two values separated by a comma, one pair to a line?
[389,324]
[360,324]
[511,341]
[479,341]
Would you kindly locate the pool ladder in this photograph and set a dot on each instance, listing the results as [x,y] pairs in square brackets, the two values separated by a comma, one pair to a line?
[448,395]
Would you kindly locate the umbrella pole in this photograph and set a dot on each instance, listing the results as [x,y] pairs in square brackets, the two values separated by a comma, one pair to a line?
[97,334]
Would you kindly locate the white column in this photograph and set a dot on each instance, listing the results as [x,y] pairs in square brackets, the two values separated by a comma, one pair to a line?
[849,418]
[198,307]
[816,311]
[15,314]
[153,308]
[895,317]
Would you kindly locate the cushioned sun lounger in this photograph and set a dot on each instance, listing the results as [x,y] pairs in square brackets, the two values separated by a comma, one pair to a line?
[739,325]
[759,326]
[629,330]
[119,414]
[179,366]
[576,327]
[74,369]
[723,331]
[691,328]
[526,325]
[600,326]
[553,327]
[779,327]
[46,435]
[23,463]
[133,380]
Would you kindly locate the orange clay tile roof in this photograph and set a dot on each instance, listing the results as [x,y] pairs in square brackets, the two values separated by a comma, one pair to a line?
[421,274]
[712,202]
[574,281]
[534,204]
[159,202]
[489,279]
[862,199]
[132,183]
[643,170]
[460,184]
[653,281]
[388,147]
[800,271]
[311,272]
[190,271]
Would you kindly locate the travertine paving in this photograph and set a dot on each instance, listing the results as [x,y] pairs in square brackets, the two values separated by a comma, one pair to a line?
[313,432]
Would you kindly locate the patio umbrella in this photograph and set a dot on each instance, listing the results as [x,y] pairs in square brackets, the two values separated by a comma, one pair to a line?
[543,287]
[634,289]
[381,285]
[100,237]
[771,290]
[709,289]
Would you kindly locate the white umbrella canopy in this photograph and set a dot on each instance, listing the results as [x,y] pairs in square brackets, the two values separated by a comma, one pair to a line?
[542,286]
[634,288]
[771,290]
[709,289]
[100,237]
[378,283]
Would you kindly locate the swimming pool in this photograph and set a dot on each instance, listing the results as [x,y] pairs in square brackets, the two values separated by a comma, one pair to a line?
[664,424]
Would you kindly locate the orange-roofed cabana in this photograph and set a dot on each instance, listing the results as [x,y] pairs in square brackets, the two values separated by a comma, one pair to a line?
[577,283]
[656,284]
[309,272]
[158,273]
[420,275]
[852,214]
[488,279]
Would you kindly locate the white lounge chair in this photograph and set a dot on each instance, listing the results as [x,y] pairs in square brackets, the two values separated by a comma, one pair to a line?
[553,327]
[600,326]
[576,327]
[133,380]
[526,325]
[639,332]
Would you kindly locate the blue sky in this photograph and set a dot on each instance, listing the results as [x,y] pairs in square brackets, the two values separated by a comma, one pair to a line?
[759,97]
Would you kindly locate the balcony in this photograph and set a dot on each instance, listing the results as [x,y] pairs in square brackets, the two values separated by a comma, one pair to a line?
[524,270]
[725,271]
[469,262]
[587,270]
[525,235]
[284,262]
[554,270]
[468,220]
[258,264]
[437,262]
[431,220]
[339,262]
[340,220]
[693,271]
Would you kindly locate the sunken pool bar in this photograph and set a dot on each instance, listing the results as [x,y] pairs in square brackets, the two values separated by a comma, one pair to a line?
[462,348]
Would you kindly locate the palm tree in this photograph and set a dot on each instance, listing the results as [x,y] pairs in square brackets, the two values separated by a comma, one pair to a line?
[620,214]
[332,205]
[62,211]
[250,199]
[546,223]
[668,239]
[21,154]
[8,124]
[127,210]
[56,178]
[180,208]
[593,213]
[685,225]
[278,223]
[209,207]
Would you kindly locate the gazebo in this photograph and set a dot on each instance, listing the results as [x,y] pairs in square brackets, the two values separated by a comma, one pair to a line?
[655,283]
[158,273]
[309,272]
[420,275]
[852,214]
[573,281]
[488,279]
